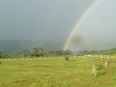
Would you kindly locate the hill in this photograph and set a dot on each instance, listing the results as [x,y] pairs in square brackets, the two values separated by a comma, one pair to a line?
[9,46]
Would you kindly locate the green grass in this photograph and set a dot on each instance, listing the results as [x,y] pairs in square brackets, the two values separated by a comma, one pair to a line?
[54,72]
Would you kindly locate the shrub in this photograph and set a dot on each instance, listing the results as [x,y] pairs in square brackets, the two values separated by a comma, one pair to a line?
[100,70]
[67,58]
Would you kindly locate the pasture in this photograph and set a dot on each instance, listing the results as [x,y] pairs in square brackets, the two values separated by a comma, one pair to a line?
[54,72]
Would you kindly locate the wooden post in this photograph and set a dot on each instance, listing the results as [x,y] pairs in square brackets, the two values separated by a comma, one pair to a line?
[107,58]
[101,57]
[94,69]
[106,64]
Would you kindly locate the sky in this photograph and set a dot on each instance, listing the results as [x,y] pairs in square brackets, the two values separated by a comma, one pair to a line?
[54,20]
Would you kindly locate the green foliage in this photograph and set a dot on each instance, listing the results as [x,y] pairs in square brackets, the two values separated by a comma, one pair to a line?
[67,58]
[103,52]
[26,53]
[55,53]
[100,70]
[38,52]
[67,52]
[0,62]
[46,56]
[0,54]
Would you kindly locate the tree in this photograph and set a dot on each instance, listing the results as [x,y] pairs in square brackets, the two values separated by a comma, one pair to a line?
[26,53]
[1,54]
[41,51]
[38,51]
[67,52]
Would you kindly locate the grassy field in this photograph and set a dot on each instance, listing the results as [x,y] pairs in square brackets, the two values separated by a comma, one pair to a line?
[54,72]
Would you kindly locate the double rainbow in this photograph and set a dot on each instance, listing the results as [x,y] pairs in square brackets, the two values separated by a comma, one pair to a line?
[78,23]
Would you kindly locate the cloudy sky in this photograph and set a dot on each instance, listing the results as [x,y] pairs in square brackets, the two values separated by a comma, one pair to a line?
[54,19]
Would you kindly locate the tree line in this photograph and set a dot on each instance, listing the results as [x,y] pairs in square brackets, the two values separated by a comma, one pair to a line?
[39,52]
[103,52]
[36,52]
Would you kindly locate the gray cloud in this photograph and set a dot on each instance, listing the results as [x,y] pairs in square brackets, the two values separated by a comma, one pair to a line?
[51,19]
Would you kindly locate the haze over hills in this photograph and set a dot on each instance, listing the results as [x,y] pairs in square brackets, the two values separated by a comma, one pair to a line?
[9,46]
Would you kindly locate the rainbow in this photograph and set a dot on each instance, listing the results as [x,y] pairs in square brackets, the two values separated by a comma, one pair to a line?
[78,23]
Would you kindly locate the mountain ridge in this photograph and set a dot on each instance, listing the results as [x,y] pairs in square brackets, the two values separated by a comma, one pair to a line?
[9,46]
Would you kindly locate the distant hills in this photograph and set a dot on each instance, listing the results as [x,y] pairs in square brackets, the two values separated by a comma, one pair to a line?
[111,51]
[9,46]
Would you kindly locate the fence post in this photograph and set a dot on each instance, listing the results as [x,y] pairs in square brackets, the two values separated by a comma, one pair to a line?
[94,69]
[107,58]
[107,64]
[101,57]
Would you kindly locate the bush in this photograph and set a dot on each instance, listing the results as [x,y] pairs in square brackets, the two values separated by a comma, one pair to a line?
[100,70]
[67,58]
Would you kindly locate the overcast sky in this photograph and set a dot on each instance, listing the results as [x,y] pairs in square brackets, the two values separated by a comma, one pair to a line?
[54,19]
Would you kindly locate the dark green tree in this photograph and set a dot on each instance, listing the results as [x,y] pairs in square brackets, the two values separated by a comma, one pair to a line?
[67,52]
[38,51]
[26,53]
[1,55]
